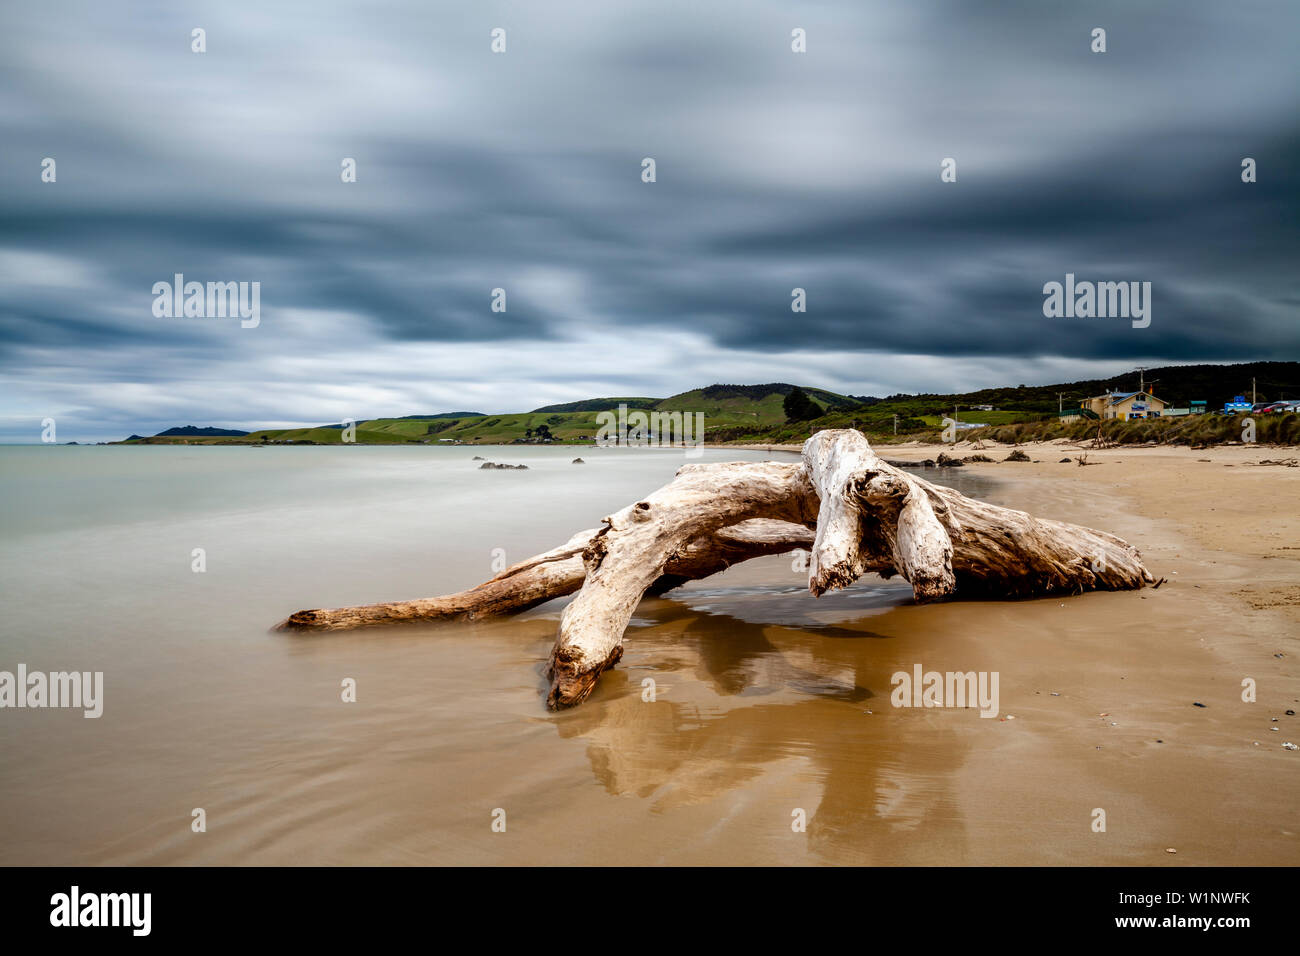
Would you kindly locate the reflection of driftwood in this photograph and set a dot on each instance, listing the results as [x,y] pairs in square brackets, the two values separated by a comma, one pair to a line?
[742,699]
[868,516]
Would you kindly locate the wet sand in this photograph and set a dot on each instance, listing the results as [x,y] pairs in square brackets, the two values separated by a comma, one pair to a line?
[767,702]
[941,786]
[1220,789]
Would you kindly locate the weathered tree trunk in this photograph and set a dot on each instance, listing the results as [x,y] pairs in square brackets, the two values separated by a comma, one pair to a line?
[558,573]
[869,516]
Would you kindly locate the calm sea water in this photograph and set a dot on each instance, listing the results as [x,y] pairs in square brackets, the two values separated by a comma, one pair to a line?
[204,708]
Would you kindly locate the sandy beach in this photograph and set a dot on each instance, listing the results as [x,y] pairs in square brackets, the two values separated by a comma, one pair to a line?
[1126,702]
[1212,782]
[768,703]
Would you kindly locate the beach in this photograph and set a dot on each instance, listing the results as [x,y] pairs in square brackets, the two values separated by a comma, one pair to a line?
[1223,531]
[769,707]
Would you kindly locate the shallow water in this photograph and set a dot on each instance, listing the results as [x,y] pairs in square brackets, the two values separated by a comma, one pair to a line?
[761,702]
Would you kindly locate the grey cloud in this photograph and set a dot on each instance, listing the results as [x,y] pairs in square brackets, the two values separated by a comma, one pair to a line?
[522,171]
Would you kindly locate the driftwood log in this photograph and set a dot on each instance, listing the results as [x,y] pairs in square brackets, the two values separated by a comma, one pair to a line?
[854,512]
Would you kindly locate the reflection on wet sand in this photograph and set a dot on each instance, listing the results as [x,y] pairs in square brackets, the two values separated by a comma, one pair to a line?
[806,696]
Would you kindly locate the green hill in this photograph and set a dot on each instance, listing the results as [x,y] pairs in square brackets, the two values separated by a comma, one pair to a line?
[575,422]
[598,405]
[755,413]
[739,405]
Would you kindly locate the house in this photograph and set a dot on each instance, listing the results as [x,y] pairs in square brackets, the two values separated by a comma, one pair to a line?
[1196,407]
[1126,406]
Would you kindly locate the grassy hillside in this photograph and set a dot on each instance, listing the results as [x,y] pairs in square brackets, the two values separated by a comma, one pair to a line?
[1176,384]
[479,429]
[755,413]
[575,422]
[740,405]
[598,405]
[1189,430]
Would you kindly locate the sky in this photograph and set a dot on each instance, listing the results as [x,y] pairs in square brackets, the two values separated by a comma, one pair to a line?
[522,170]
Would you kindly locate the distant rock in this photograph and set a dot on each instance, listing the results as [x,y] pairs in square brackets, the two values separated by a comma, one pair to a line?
[577,461]
[489,464]
[478,458]
[1017,455]
[945,462]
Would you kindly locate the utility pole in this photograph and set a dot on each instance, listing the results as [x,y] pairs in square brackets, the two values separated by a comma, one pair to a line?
[895,423]
[1252,390]
[1060,404]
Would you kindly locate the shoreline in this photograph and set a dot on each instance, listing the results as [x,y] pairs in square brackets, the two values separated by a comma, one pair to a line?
[915,447]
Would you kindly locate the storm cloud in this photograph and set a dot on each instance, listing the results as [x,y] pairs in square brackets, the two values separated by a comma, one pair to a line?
[522,171]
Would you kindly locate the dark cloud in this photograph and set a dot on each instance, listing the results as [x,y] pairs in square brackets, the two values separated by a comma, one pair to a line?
[522,171]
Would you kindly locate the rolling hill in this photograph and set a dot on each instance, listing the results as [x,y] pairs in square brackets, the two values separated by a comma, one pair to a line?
[755,413]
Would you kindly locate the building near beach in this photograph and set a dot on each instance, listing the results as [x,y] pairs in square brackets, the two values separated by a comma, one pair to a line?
[1126,406]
